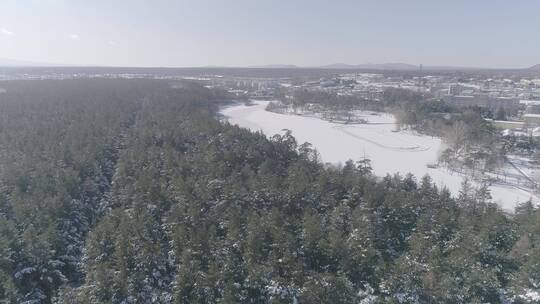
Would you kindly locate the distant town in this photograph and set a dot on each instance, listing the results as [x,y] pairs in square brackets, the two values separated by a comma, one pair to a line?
[512,97]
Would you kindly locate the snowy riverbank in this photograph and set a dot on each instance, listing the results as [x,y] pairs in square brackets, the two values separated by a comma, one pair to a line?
[389,151]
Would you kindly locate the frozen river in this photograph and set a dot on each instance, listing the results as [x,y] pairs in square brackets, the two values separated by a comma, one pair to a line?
[389,151]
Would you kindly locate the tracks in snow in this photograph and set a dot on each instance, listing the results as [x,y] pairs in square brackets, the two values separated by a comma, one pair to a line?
[411,148]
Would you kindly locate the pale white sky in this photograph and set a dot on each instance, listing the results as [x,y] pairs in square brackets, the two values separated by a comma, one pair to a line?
[480,33]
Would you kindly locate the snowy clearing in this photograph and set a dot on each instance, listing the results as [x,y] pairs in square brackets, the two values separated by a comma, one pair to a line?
[389,151]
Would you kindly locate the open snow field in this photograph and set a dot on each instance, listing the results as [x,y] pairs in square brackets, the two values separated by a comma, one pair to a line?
[389,152]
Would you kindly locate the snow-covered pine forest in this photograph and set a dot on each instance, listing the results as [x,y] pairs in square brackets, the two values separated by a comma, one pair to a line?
[132,191]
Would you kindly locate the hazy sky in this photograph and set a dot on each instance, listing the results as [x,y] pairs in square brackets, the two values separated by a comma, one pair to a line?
[480,33]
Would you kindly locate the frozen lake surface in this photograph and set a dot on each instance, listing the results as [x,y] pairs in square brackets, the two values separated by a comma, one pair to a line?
[389,151]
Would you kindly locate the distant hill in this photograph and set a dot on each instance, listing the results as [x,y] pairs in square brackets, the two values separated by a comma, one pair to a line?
[372,66]
[535,67]
[343,66]
[274,66]
[397,66]
[14,63]
[6,62]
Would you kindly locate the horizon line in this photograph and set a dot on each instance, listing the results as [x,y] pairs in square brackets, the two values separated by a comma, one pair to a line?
[334,66]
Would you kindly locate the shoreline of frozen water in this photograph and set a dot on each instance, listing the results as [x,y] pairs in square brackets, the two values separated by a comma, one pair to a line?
[390,151]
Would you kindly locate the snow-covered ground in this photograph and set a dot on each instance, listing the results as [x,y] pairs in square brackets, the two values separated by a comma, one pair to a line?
[389,151]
